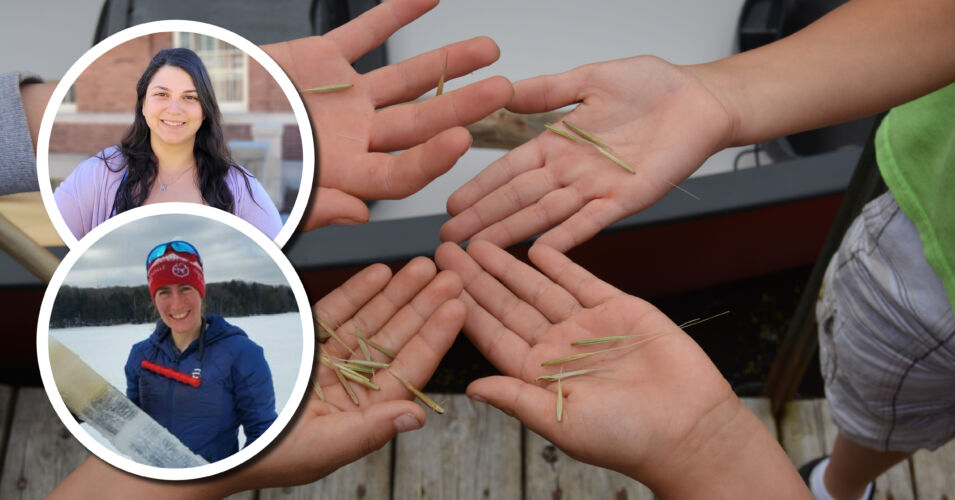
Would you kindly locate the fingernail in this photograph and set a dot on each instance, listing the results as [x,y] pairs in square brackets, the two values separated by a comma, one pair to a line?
[344,221]
[477,398]
[407,422]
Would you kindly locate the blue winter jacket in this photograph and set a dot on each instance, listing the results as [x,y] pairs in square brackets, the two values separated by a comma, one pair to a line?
[236,387]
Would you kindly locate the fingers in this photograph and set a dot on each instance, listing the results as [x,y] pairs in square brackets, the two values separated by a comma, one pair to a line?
[331,206]
[371,29]
[533,219]
[522,191]
[502,347]
[397,176]
[506,350]
[526,282]
[548,92]
[409,79]
[409,319]
[369,312]
[419,344]
[521,159]
[532,405]
[586,288]
[343,302]
[515,314]
[401,127]
[582,225]
[420,356]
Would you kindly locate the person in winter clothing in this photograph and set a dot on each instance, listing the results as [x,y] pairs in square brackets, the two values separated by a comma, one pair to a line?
[197,375]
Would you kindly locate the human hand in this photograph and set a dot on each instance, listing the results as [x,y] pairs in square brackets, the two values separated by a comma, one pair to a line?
[659,118]
[658,411]
[416,315]
[357,128]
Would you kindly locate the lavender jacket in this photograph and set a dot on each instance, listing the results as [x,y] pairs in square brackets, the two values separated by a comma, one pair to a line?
[86,197]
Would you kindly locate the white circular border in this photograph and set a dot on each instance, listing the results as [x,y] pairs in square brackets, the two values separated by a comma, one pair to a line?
[295,100]
[298,390]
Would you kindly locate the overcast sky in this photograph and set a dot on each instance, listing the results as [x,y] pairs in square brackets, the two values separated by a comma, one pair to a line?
[119,258]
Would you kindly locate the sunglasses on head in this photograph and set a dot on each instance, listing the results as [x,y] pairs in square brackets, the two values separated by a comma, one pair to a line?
[164,248]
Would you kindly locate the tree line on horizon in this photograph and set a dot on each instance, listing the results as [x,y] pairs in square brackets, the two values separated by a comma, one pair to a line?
[115,305]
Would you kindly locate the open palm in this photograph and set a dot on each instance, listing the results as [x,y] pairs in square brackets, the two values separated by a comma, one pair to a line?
[356,128]
[639,414]
[657,117]
[416,315]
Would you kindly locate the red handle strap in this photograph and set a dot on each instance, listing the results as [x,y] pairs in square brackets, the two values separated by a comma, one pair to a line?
[170,373]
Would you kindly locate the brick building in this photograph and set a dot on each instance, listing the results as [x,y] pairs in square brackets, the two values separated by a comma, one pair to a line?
[257,119]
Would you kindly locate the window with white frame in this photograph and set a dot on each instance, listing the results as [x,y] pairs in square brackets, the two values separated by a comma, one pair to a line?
[228,68]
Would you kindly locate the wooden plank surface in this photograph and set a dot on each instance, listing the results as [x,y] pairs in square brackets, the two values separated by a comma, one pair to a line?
[893,484]
[763,408]
[552,475]
[26,211]
[802,431]
[41,451]
[6,413]
[808,432]
[935,473]
[473,451]
[365,479]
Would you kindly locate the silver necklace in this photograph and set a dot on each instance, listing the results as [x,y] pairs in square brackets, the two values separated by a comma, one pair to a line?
[164,185]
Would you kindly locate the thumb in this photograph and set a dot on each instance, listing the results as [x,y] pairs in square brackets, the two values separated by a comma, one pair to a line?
[352,435]
[534,406]
[547,92]
[331,206]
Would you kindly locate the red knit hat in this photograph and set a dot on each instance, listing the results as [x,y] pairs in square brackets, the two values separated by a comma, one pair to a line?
[175,268]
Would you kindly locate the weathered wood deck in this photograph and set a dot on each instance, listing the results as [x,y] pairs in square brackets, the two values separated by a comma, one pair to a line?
[472,452]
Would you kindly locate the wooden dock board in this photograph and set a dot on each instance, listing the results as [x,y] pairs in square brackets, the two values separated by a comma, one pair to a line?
[41,452]
[763,409]
[365,479]
[473,451]
[802,432]
[6,413]
[934,473]
[552,475]
[808,432]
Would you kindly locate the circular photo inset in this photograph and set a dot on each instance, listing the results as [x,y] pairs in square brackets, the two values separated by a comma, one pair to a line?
[175,111]
[175,345]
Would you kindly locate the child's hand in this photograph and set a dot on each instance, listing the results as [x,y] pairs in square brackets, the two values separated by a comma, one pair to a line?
[416,315]
[357,128]
[658,118]
[658,411]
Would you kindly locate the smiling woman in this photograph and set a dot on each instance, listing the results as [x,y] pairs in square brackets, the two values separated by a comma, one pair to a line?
[173,151]
[196,374]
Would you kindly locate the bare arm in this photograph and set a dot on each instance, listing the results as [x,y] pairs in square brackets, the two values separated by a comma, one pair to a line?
[666,120]
[864,57]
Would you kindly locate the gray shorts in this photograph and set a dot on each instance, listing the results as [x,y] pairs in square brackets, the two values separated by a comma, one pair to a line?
[887,336]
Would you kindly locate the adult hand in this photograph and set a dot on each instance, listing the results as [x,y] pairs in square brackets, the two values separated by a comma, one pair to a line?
[658,118]
[357,128]
[658,411]
[415,314]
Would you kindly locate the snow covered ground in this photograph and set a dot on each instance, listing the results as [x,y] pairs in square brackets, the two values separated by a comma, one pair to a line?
[105,349]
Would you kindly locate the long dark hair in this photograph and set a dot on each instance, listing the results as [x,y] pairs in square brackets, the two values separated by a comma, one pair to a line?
[213,159]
